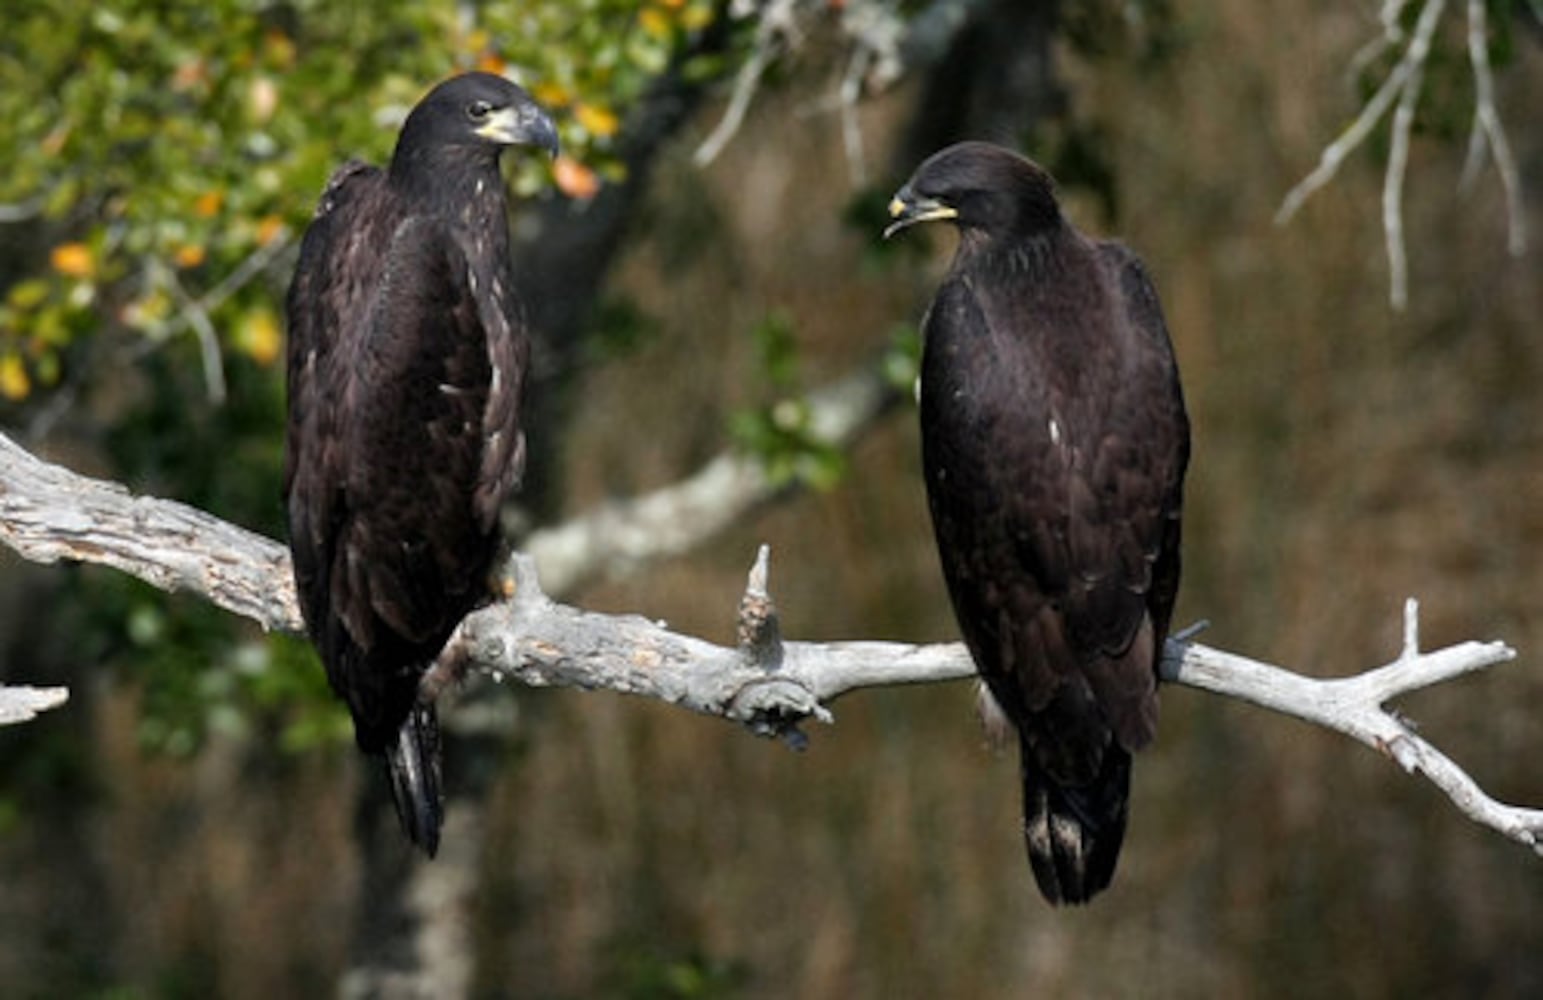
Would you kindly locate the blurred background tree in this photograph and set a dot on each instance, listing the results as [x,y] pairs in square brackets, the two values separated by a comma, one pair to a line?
[187,825]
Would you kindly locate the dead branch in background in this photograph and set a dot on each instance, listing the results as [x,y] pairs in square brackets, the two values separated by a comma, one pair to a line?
[883,46]
[22,703]
[1402,85]
[617,537]
[772,685]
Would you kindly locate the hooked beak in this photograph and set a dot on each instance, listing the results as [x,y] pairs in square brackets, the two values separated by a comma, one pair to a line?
[521,125]
[907,208]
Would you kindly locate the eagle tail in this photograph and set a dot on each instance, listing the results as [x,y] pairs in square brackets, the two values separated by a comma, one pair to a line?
[1073,833]
[413,764]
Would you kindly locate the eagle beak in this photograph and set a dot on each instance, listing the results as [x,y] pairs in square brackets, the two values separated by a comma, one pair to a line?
[521,125]
[907,209]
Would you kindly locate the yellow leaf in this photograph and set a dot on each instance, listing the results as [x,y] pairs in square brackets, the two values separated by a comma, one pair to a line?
[597,120]
[73,259]
[574,179]
[29,293]
[259,336]
[145,312]
[14,383]
[279,49]
[696,17]
[654,22]
[189,255]
[550,93]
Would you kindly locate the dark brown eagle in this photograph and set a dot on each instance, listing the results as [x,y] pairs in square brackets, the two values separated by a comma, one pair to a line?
[407,355]
[1054,444]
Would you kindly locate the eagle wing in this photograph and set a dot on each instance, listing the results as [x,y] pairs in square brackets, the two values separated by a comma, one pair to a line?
[1162,424]
[404,374]
[326,299]
[1055,503]
[430,393]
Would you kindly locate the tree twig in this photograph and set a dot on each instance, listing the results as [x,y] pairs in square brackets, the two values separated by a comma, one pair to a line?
[1337,152]
[770,35]
[1400,90]
[203,328]
[1398,155]
[770,684]
[885,46]
[1486,124]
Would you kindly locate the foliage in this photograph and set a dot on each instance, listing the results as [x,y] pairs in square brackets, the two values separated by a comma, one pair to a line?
[155,148]
[780,434]
[162,159]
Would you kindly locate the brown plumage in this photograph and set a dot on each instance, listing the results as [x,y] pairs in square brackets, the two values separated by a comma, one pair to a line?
[407,354]
[1054,445]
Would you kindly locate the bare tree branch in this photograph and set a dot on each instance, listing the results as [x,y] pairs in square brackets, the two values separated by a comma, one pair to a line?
[1401,90]
[772,685]
[1354,706]
[884,43]
[1398,155]
[1487,129]
[22,704]
[48,513]
[772,33]
[619,536]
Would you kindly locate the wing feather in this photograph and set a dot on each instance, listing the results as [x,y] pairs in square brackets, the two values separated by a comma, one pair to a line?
[339,257]
[419,400]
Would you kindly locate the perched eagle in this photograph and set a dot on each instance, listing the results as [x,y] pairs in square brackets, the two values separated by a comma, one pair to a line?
[407,354]
[1054,444]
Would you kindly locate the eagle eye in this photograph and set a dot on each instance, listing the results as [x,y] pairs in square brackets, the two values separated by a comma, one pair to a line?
[478,110]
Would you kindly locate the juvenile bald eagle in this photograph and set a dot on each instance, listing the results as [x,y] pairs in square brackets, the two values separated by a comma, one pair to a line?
[1054,444]
[407,354]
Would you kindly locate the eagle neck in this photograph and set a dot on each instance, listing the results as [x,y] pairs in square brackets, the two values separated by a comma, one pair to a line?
[1042,251]
[467,193]
[443,179]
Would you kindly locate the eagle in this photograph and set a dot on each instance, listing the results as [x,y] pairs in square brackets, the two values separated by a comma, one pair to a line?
[406,358]
[1054,444]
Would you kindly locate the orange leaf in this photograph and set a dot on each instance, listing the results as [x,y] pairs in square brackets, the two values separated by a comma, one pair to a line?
[208,204]
[189,255]
[268,229]
[492,62]
[574,179]
[73,259]
[188,75]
